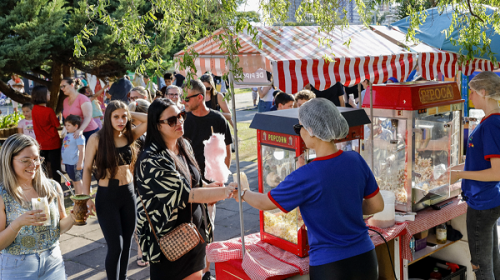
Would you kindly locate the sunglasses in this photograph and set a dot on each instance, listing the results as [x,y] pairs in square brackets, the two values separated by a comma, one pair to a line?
[187,98]
[209,88]
[297,128]
[172,121]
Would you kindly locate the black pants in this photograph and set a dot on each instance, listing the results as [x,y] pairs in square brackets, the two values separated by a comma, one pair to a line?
[360,267]
[53,159]
[115,209]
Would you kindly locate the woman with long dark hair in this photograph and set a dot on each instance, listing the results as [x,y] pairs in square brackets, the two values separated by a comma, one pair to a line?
[111,154]
[169,182]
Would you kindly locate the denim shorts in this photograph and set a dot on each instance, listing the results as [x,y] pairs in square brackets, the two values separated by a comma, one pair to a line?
[75,175]
[47,265]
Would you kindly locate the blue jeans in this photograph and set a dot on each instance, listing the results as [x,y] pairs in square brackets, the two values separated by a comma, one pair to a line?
[483,242]
[87,135]
[264,106]
[47,265]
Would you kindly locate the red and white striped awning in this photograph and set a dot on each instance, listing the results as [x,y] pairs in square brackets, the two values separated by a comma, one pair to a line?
[448,63]
[212,57]
[356,52]
[432,61]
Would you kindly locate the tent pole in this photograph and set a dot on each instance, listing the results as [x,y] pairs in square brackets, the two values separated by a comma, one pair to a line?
[235,124]
[371,124]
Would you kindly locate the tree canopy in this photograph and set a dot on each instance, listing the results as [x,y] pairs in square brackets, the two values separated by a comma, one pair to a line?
[469,17]
[37,42]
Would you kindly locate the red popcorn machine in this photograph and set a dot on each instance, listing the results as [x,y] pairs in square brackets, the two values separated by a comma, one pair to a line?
[278,149]
[417,136]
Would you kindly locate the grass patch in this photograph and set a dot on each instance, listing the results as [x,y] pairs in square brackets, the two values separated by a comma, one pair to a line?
[242,90]
[247,142]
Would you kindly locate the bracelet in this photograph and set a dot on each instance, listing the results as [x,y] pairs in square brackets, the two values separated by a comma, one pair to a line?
[242,194]
[12,229]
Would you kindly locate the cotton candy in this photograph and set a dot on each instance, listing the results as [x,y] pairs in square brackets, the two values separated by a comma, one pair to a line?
[215,154]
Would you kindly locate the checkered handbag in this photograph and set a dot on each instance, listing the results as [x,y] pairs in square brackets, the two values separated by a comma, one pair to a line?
[180,240]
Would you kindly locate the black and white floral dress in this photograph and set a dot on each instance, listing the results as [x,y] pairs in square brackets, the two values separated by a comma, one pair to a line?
[165,192]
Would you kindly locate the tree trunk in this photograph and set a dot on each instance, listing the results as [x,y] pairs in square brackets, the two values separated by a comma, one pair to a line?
[56,95]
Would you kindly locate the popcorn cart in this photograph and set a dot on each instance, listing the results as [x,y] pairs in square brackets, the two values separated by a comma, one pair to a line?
[417,136]
[278,149]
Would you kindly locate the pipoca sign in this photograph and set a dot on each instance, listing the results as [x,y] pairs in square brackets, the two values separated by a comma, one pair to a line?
[435,94]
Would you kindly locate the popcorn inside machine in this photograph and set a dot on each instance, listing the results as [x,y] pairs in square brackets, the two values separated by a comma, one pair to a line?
[417,137]
[278,149]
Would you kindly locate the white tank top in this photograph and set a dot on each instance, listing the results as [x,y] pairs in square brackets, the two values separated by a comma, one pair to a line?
[269,96]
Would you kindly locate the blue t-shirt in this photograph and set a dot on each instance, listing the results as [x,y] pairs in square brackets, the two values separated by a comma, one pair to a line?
[69,150]
[329,192]
[483,144]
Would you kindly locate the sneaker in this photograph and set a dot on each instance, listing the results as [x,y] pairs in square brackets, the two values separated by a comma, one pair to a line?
[208,276]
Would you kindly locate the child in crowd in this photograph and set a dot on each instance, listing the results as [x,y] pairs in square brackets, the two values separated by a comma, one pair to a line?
[303,96]
[282,101]
[73,151]
[97,114]
[26,126]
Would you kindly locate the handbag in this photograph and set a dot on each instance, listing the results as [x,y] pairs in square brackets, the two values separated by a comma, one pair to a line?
[180,240]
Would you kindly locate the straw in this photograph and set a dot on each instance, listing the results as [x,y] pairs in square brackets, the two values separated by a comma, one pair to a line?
[68,183]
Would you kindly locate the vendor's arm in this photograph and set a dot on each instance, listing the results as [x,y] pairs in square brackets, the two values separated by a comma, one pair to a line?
[257,200]
[373,205]
[487,175]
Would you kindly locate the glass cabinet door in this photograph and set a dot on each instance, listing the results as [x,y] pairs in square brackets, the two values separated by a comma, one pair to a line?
[434,139]
[277,163]
[389,154]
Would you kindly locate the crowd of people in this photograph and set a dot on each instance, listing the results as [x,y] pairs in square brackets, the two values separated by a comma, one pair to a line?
[139,126]
[146,153]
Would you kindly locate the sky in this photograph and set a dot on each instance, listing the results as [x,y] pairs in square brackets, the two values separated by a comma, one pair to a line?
[251,5]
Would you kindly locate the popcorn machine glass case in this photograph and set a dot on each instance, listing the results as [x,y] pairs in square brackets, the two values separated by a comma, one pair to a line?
[417,137]
[278,149]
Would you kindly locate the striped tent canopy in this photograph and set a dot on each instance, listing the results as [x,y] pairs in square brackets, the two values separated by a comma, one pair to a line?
[432,61]
[294,57]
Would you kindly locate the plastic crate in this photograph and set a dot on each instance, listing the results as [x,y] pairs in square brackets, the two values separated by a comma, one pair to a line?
[423,268]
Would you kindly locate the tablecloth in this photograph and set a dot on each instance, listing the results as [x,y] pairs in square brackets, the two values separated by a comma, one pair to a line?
[261,260]
[264,260]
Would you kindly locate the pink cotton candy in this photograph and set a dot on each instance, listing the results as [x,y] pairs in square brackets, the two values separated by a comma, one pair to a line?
[215,154]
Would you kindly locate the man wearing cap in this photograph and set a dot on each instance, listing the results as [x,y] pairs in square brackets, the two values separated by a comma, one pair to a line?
[17,84]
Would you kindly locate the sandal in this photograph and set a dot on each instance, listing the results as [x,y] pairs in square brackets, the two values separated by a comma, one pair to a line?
[141,263]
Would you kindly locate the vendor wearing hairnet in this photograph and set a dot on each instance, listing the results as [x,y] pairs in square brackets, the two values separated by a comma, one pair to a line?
[331,203]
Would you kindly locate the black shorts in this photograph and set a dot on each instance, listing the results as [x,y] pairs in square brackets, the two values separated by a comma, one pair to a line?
[360,267]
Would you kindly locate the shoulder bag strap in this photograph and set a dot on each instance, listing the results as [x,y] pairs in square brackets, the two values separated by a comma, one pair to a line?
[147,216]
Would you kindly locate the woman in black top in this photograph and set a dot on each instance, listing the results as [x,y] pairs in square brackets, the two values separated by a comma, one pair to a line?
[170,185]
[110,155]
[215,100]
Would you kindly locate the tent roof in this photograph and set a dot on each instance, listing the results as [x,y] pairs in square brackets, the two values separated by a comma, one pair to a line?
[294,57]
[431,60]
